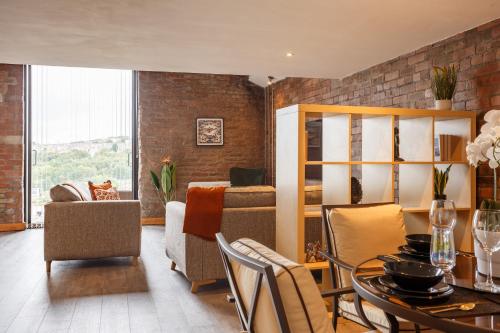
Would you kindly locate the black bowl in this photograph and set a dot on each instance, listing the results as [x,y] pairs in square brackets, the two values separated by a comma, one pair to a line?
[413,275]
[419,242]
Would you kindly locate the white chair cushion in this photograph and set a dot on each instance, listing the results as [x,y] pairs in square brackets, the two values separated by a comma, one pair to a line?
[297,288]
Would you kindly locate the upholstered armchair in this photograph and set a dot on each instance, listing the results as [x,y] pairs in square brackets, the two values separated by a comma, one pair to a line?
[356,233]
[248,212]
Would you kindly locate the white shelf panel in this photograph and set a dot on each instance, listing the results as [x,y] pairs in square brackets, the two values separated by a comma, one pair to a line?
[415,185]
[335,138]
[376,183]
[336,185]
[411,149]
[377,139]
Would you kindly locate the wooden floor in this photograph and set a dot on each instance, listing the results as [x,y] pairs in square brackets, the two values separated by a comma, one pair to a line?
[107,295]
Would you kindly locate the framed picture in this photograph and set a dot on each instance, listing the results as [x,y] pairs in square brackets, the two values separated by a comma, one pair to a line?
[209,131]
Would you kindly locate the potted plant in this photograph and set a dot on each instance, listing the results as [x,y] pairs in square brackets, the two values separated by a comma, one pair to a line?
[486,149]
[440,182]
[444,81]
[165,185]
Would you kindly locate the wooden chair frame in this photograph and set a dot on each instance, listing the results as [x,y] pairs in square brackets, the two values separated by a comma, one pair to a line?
[335,263]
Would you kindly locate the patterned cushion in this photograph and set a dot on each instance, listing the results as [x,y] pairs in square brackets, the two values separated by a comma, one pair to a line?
[104,186]
[109,194]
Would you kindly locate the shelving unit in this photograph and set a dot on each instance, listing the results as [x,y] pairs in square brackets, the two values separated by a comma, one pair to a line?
[359,142]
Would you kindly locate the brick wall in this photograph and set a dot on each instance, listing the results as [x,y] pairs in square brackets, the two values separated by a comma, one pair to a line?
[169,104]
[11,143]
[405,82]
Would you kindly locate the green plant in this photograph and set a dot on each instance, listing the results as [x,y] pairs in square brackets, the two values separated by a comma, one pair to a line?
[165,185]
[444,82]
[440,180]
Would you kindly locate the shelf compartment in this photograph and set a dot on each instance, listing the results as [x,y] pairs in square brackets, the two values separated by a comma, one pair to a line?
[377,138]
[336,185]
[336,135]
[459,130]
[376,182]
[411,149]
[458,188]
[415,185]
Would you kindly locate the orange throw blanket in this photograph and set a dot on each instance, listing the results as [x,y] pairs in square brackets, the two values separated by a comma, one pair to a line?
[203,215]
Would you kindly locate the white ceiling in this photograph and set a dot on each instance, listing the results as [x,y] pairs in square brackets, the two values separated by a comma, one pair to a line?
[330,38]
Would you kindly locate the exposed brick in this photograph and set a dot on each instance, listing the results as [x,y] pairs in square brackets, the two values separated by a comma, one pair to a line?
[391,76]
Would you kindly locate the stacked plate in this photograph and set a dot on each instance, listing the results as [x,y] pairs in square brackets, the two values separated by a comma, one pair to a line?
[418,246]
[437,293]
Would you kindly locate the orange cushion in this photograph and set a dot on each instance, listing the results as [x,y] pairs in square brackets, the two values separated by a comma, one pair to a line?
[104,186]
[109,194]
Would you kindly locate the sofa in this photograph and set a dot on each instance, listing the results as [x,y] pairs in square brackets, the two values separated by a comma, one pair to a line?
[85,229]
[248,212]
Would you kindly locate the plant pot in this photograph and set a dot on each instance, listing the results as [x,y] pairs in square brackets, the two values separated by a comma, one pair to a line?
[442,104]
[482,263]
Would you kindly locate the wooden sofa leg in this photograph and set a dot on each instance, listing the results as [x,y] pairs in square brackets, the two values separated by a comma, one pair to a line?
[135,261]
[197,284]
[47,265]
[172,265]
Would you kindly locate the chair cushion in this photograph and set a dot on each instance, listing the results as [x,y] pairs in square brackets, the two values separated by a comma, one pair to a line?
[365,232]
[247,177]
[63,193]
[250,196]
[299,292]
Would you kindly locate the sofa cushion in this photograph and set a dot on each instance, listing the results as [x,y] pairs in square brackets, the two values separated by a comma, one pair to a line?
[109,194]
[250,196]
[104,186]
[313,194]
[304,307]
[247,177]
[63,193]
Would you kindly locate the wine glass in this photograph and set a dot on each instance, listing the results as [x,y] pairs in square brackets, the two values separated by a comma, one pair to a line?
[443,217]
[486,231]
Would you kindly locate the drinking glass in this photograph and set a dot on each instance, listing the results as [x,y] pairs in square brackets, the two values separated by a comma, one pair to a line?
[486,231]
[443,217]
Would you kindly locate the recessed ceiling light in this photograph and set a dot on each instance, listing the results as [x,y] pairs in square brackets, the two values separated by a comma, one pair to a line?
[289,54]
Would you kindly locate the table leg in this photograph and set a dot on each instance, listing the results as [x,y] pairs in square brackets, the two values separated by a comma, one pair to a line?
[361,313]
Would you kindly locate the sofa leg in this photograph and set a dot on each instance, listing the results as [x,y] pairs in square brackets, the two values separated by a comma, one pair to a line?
[47,265]
[197,284]
[135,261]
[172,265]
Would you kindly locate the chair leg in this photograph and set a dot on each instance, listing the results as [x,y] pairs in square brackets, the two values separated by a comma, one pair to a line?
[361,313]
[47,265]
[335,318]
[135,261]
[172,265]
[197,284]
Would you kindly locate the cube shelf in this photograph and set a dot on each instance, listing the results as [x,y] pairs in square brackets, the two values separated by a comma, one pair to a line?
[322,150]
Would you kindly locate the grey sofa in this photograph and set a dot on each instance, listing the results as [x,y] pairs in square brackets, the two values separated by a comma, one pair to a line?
[248,212]
[92,229]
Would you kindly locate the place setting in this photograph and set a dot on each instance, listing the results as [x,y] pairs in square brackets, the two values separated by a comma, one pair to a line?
[423,274]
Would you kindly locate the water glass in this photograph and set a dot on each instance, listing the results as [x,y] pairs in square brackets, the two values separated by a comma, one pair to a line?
[443,217]
[486,231]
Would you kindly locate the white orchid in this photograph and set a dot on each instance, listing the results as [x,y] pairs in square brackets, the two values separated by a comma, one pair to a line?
[486,147]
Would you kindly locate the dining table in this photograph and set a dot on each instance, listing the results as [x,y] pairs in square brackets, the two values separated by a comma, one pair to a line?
[484,318]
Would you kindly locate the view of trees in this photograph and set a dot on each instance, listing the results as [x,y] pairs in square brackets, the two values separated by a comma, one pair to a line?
[79,162]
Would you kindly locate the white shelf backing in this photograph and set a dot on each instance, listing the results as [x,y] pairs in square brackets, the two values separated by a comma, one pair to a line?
[415,185]
[335,138]
[336,185]
[412,150]
[458,187]
[376,136]
[459,127]
[376,183]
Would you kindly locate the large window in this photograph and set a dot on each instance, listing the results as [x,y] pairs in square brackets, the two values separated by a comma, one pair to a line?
[81,129]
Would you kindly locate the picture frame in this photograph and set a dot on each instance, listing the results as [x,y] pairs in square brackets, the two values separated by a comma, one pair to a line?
[209,131]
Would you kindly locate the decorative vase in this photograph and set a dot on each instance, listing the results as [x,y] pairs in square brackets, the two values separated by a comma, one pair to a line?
[442,104]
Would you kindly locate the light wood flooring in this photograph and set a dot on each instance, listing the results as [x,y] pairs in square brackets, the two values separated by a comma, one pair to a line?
[107,295]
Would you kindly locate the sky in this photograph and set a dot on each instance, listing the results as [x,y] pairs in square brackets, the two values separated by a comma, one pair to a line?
[71,104]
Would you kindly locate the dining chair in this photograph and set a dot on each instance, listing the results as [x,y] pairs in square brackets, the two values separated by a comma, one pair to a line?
[273,294]
[355,233]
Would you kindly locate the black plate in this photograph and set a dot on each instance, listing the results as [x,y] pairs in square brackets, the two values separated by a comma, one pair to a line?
[440,288]
[419,242]
[405,249]
[413,275]
[411,298]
